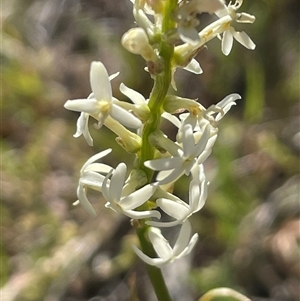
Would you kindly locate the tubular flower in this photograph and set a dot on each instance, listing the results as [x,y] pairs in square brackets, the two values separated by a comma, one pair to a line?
[90,177]
[198,116]
[112,191]
[187,21]
[183,246]
[231,33]
[99,104]
[186,158]
[180,210]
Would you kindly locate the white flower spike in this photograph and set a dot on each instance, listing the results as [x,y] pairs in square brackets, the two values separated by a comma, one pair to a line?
[99,104]
[159,27]
[112,191]
[183,246]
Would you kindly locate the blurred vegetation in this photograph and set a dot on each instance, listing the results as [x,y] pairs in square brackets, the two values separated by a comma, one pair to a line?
[249,228]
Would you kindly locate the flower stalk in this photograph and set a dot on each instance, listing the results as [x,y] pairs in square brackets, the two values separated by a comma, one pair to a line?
[166,41]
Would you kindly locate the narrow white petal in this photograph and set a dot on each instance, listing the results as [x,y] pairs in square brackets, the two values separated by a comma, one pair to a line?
[203,197]
[164,163]
[106,186]
[198,173]
[178,210]
[143,21]
[135,96]
[183,238]
[188,141]
[142,214]
[99,167]
[82,128]
[158,262]
[225,110]
[163,174]
[92,180]
[211,141]
[204,156]
[227,42]
[171,177]
[190,119]
[137,198]
[87,105]
[100,82]
[194,67]
[113,76]
[227,100]
[95,158]
[125,117]
[190,246]
[85,203]
[194,194]
[117,182]
[202,176]
[160,244]
[244,39]
[202,143]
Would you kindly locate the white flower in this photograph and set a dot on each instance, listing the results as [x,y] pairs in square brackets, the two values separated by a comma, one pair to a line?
[231,33]
[112,191]
[90,178]
[187,21]
[99,104]
[183,246]
[180,210]
[186,158]
[198,115]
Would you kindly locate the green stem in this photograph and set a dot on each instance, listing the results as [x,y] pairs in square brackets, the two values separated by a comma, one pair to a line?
[160,89]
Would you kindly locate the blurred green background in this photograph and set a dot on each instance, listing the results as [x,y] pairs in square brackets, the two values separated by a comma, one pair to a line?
[249,228]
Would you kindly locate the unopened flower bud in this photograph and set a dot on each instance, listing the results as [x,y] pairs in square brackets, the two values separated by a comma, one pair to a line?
[136,41]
